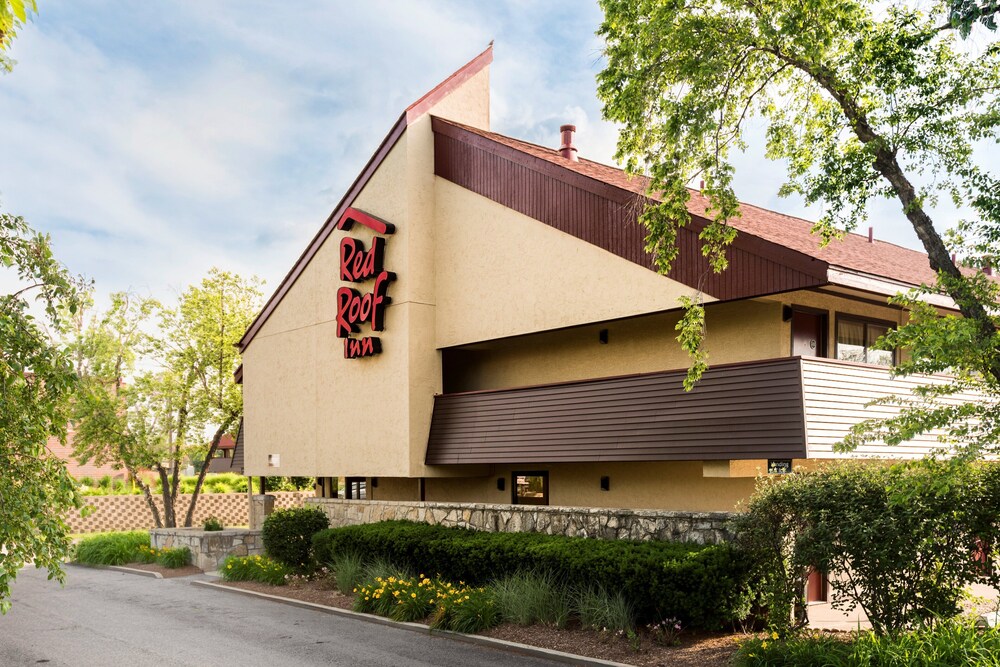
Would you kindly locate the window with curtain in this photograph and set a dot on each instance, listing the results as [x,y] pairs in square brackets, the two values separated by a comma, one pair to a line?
[856,339]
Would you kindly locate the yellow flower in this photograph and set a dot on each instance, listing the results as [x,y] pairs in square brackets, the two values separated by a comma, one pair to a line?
[413,595]
[763,644]
[774,635]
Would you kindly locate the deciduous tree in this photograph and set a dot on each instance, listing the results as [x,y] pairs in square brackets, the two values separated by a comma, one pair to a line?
[861,100]
[156,393]
[36,380]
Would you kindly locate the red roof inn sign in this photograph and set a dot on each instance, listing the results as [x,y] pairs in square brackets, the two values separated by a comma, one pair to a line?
[359,265]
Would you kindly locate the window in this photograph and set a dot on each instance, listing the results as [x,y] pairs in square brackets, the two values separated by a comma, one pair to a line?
[530,488]
[856,338]
[355,488]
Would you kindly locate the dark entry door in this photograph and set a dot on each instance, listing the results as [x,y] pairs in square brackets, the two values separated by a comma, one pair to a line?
[808,331]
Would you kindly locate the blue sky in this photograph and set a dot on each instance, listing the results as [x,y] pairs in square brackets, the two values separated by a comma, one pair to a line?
[154,140]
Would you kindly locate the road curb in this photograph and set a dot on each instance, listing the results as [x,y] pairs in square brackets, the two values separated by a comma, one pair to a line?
[119,568]
[490,642]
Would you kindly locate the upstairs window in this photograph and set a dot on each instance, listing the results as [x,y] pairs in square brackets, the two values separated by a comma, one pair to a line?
[856,339]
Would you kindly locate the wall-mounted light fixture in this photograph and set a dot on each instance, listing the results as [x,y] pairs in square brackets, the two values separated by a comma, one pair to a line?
[501,483]
[605,483]
[374,482]
[602,336]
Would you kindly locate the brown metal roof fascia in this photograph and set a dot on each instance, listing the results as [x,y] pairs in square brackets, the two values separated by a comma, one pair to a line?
[238,374]
[740,411]
[411,113]
[607,224]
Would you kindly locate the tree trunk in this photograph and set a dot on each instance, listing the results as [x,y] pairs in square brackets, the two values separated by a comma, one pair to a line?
[230,420]
[888,167]
[169,518]
[147,494]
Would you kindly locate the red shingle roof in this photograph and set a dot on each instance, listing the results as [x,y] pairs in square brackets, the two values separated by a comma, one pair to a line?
[853,252]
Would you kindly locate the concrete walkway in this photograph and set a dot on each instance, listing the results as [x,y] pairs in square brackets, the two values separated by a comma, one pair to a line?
[103,617]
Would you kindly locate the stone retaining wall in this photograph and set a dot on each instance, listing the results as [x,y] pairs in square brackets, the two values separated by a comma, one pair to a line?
[132,512]
[699,527]
[209,548]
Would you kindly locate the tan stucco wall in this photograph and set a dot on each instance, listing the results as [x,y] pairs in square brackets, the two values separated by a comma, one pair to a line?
[328,416]
[739,331]
[672,485]
[501,273]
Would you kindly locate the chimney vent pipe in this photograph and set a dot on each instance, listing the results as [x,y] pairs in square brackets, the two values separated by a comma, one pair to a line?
[567,149]
[871,235]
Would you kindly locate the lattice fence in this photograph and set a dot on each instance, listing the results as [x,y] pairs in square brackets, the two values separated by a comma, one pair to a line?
[132,512]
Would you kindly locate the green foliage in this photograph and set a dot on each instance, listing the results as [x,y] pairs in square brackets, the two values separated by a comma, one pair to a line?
[706,586]
[36,382]
[901,541]
[13,15]
[348,571]
[454,607]
[174,558]
[599,609]
[212,524]
[528,597]
[288,535]
[861,101]
[254,568]
[114,548]
[470,610]
[943,645]
[155,379]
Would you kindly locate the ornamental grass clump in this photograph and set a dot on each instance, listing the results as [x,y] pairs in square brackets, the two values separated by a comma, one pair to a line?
[599,609]
[528,597]
[112,548]
[348,571]
[254,568]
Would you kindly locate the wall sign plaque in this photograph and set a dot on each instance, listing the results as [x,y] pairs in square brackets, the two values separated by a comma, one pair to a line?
[779,466]
[359,264]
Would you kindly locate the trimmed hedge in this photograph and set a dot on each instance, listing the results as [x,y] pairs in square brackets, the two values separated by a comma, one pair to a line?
[703,586]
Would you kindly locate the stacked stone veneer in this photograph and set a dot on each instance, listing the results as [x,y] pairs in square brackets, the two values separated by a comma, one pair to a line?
[209,548]
[132,512]
[699,527]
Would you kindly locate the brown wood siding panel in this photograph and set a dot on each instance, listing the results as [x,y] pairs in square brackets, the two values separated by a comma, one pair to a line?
[236,465]
[607,220]
[744,411]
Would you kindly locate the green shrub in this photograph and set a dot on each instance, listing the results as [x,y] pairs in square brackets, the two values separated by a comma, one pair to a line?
[146,554]
[85,481]
[212,524]
[945,644]
[254,568]
[288,535]
[900,541]
[526,598]
[112,548]
[174,558]
[702,586]
[348,571]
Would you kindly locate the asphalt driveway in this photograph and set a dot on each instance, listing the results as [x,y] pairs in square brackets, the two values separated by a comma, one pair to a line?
[103,617]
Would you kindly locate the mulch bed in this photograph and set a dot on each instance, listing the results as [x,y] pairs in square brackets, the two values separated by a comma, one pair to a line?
[697,649]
